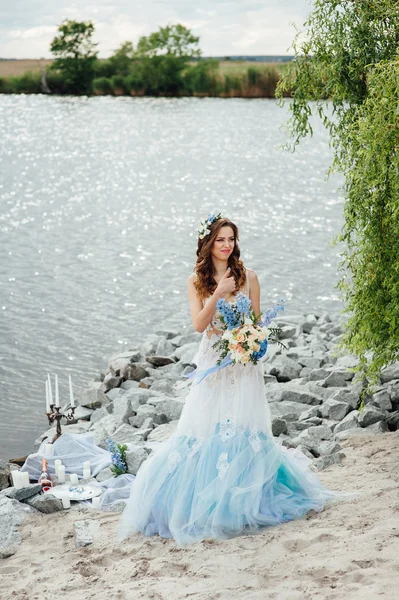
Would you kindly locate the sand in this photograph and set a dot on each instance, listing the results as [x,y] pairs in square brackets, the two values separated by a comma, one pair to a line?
[348,551]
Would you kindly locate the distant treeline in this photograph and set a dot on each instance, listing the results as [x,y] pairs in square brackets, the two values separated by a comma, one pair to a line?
[166,63]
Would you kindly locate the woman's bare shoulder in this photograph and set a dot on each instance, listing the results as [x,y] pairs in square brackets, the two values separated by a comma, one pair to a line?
[192,277]
[251,274]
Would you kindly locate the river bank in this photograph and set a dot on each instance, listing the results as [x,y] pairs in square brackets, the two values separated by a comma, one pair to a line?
[315,408]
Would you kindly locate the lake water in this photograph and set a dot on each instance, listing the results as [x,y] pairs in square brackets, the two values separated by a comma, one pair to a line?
[100,200]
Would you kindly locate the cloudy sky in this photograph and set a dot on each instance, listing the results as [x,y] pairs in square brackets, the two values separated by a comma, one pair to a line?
[225,27]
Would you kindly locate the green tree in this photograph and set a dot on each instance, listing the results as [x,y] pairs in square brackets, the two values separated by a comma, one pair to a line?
[76,55]
[121,60]
[349,54]
[161,58]
[174,40]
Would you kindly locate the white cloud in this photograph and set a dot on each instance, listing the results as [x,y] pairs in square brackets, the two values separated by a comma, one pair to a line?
[224,26]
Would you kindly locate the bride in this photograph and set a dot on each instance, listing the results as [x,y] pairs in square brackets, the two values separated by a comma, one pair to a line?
[222,473]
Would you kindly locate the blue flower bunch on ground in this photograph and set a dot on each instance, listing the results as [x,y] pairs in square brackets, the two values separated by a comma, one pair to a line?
[118,456]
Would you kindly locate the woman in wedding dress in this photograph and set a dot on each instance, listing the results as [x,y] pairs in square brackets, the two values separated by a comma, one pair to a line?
[222,473]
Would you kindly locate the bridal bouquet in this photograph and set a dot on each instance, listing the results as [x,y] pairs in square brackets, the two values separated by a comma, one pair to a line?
[246,335]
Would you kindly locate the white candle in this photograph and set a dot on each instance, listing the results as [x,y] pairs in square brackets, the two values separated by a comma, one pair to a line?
[74,479]
[16,478]
[66,502]
[57,464]
[24,478]
[57,394]
[61,473]
[72,399]
[50,392]
[95,502]
[86,464]
[86,473]
[48,449]
[47,399]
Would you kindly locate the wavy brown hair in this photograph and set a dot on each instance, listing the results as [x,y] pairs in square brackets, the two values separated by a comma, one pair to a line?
[205,283]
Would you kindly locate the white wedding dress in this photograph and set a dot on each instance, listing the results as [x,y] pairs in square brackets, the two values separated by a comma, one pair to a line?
[222,473]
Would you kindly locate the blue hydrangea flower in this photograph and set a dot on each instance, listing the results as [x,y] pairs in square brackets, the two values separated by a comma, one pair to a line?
[262,350]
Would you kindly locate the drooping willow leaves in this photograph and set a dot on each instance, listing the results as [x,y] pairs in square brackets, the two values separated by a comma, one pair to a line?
[346,70]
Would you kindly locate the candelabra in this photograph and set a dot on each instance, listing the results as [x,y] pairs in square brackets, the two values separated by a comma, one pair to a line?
[55,414]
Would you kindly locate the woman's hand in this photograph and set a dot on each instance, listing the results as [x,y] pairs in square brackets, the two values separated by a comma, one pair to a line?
[226,284]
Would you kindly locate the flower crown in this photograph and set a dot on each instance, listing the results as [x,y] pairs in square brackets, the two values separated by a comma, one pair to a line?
[204,229]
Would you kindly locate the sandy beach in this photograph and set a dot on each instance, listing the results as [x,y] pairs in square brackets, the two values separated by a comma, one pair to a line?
[350,550]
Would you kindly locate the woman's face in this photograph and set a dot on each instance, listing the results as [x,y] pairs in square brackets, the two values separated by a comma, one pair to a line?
[223,245]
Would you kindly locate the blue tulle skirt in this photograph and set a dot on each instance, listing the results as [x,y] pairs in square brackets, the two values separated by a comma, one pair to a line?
[219,487]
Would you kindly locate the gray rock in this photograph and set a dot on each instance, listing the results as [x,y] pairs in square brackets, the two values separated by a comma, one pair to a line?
[348,395]
[307,325]
[306,423]
[350,421]
[315,434]
[143,412]
[393,421]
[98,414]
[187,352]
[150,345]
[164,386]
[284,368]
[123,410]
[327,461]
[83,413]
[12,513]
[379,427]
[136,372]
[149,423]
[160,361]
[333,409]
[328,447]
[4,475]
[170,408]
[338,379]
[93,396]
[390,373]
[86,532]
[127,434]
[116,393]
[129,385]
[289,411]
[129,356]
[309,361]
[287,331]
[279,426]
[382,400]
[164,348]
[168,334]
[45,503]
[135,458]
[163,432]
[318,374]
[370,415]
[22,494]
[102,429]
[112,381]
[313,411]
[104,474]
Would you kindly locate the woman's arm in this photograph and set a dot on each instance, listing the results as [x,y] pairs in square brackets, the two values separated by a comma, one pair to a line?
[254,291]
[202,315]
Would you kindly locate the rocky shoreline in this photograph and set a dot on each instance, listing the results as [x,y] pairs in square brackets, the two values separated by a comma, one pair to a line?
[313,400]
